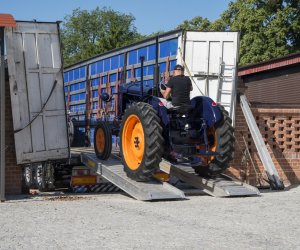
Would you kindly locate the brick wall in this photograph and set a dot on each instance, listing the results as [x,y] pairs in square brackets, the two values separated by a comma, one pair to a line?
[280,128]
[13,173]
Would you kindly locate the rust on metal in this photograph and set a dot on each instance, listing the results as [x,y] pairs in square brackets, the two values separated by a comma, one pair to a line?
[7,20]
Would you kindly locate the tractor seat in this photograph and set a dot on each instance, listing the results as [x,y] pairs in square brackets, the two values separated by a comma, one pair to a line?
[182,110]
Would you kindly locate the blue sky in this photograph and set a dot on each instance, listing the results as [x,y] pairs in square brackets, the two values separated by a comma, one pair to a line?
[151,16]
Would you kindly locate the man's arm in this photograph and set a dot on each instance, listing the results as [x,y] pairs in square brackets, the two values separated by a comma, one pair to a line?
[166,93]
[191,85]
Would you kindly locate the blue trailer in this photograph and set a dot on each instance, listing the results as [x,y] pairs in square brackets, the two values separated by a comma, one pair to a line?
[209,57]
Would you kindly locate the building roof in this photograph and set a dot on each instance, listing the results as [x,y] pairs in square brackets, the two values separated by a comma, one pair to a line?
[270,64]
[7,20]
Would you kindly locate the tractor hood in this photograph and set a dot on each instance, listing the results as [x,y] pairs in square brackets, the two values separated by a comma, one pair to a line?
[134,88]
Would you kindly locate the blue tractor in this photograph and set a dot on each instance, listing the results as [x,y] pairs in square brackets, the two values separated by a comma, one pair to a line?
[199,135]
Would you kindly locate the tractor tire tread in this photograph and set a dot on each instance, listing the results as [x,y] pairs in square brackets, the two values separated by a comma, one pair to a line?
[153,141]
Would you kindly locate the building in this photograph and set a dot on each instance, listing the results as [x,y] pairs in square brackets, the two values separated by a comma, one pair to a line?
[273,90]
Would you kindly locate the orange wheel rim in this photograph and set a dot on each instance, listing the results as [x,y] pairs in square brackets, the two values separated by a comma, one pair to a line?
[100,140]
[133,142]
[210,132]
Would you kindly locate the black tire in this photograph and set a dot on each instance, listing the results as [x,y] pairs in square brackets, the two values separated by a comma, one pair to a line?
[27,176]
[102,141]
[41,179]
[27,179]
[71,132]
[153,142]
[225,145]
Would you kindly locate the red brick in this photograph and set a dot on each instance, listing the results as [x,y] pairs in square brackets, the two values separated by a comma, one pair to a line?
[287,162]
[13,173]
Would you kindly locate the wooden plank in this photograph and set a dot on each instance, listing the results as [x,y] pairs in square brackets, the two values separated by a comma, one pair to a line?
[34,60]
[19,101]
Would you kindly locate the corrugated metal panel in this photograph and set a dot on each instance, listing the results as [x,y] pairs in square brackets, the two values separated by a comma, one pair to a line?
[37,97]
[280,86]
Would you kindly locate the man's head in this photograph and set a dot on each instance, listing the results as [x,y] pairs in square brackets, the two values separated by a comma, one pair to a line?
[178,70]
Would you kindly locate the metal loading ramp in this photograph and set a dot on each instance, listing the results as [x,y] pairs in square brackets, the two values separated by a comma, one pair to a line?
[223,186]
[112,170]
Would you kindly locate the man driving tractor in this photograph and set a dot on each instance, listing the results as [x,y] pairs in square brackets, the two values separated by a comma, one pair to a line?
[179,87]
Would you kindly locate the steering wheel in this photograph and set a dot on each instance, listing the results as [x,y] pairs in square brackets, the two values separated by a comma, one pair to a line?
[163,86]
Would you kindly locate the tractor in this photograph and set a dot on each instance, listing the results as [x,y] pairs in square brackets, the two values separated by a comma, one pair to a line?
[198,135]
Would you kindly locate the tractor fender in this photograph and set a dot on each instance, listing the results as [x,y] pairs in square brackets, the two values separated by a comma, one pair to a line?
[204,107]
[160,108]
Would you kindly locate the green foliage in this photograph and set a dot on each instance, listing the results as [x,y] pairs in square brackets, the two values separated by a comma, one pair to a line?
[268,28]
[88,33]
[197,23]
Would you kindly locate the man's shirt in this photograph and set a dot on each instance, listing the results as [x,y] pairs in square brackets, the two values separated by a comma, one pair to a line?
[180,90]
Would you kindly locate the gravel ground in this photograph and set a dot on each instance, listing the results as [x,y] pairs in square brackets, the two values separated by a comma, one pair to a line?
[116,221]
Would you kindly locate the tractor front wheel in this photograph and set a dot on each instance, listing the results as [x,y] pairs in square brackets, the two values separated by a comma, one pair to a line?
[102,141]
[141,141]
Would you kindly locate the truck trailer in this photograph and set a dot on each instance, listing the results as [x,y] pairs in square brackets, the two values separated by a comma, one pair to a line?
[57,107]
[210,59]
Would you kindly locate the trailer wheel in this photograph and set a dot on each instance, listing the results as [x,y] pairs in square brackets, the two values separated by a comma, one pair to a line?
[221,140]
[102,141]
[141,141]
[27,179]
[44,177]
[27,176]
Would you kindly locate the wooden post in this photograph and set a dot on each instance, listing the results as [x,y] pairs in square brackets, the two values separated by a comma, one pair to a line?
[167,73]
[69,97]
[2,117]
[108,91]
[99,93]
[117,93]
[132,74]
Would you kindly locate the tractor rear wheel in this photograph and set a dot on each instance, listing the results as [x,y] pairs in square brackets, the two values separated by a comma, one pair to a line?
[44,177]
[102,141]
[141,141]
[221,140]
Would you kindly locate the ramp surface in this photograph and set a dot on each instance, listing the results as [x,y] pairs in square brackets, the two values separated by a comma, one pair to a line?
[223,186]
[112,170]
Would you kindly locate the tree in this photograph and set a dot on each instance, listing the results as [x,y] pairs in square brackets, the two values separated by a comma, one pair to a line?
[86,34]
[197,23]
[268,28]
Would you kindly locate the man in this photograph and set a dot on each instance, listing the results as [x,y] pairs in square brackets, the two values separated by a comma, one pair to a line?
[179,87]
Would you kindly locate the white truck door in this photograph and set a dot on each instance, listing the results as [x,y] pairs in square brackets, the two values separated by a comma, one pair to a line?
[212,60]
